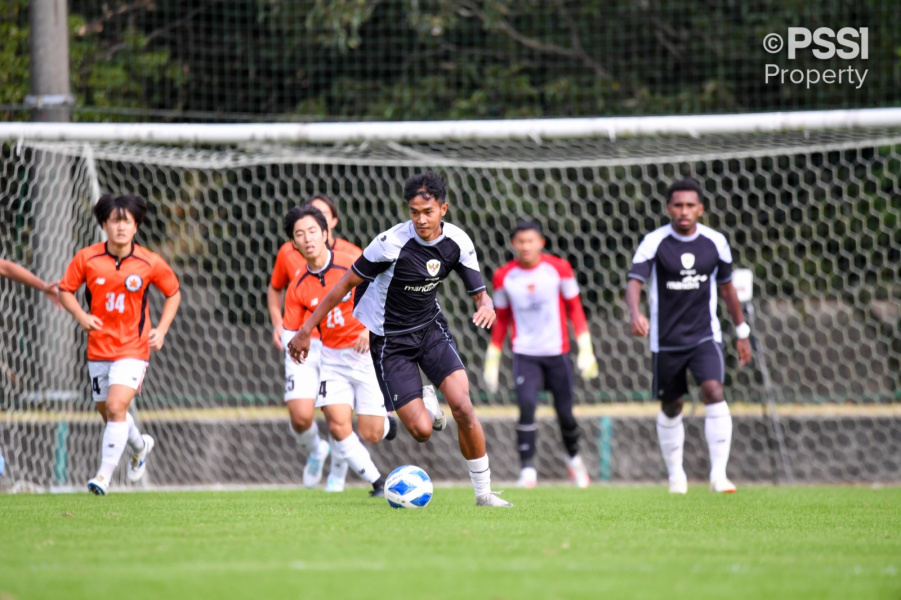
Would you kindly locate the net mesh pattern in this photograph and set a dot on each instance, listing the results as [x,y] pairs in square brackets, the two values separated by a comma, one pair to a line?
[815,216]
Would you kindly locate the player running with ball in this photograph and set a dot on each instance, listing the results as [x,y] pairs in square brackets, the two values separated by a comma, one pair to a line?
[400,272]
[118,274]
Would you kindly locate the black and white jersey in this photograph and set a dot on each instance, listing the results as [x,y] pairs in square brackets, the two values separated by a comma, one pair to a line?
[402,273]
[682,273]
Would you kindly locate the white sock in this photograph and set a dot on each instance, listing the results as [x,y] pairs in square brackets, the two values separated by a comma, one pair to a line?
[309,440]
[357,457]
[480,475]
[115,437]
[135,441]
[671,433]
[718,431]
[387,428]
[338,466]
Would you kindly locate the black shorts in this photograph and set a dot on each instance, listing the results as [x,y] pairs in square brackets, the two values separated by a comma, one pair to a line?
[398,358]
[705,361]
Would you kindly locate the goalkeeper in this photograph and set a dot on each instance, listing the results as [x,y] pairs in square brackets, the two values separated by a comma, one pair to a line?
[537,292]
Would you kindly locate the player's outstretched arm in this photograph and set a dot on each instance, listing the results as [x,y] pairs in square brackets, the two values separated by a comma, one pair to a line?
[158,333]
[639,323]
[743,345]
[274,300]
[299,346]
[18,273]
[87,321]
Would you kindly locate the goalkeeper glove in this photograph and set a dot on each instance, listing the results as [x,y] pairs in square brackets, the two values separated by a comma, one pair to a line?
[586,362]
[492,368]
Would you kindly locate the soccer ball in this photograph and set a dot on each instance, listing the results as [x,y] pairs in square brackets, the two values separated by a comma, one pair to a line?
[408,487]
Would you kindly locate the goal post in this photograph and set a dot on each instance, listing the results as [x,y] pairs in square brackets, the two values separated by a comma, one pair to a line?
[810,208]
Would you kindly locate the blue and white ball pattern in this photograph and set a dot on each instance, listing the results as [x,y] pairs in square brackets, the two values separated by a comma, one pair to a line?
[408,487]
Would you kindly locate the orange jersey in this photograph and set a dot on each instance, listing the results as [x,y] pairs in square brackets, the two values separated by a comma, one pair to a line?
[289,262]
[339,329]
[117,292]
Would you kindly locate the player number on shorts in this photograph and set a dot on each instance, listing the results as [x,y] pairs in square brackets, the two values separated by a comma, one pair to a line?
[95,385]
[114,302]
[335,319]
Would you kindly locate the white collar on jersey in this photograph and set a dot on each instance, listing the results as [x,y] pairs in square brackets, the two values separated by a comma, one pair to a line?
[328,263]
[421,241]
[685,238]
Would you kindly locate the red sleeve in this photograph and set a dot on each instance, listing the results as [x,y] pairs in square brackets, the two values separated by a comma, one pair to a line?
[573,304]
[576,315]
[499,331]
[74,276]
[164,278]
[504,312]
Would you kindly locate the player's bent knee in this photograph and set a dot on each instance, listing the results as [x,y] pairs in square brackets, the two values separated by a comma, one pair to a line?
[421,432]
[672,409]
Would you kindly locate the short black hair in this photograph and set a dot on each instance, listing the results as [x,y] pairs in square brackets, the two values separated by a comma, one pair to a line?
[432,182]
[685,185]
[299,212]
[109,204]
[325,200]
[527,226]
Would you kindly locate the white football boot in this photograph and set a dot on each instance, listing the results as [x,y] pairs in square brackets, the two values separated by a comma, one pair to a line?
[492,499]
[722,486]
[312,471]
[98,486]
[578,473]
[528,478]
[138,464]
[678,485]
[430,399]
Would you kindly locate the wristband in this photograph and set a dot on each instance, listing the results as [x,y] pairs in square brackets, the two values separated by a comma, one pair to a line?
[742,331]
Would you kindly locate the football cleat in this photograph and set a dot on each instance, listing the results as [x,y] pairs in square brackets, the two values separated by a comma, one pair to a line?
[528,478]
[722,486]
[138,464]
[678,486]
[378,488]
[578,473]
[312,471]
[98,486]
[492,499]
[430,399]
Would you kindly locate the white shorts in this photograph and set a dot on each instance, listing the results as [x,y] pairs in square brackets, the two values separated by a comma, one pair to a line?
[301,380]
[125,371]
[348,377]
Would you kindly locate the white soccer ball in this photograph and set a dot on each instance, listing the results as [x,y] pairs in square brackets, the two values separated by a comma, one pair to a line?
[408,487]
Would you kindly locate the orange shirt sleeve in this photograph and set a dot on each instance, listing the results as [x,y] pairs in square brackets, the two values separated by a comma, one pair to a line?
[280,275]
[164,278]
[295,311]
[75,275]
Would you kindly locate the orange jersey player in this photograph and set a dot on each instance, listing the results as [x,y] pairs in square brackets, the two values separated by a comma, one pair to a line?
[347,379]
[302,380]
[118,274]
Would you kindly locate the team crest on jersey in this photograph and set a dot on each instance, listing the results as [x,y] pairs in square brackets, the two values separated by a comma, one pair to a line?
[314,301]
[688,260]
[531,288]
[133,283]
[101,280]
[433,267]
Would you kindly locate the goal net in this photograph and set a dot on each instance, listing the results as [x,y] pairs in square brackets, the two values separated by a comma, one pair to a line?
[815,215]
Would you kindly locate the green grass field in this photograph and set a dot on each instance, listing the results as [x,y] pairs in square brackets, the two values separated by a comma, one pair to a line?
[611,542]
